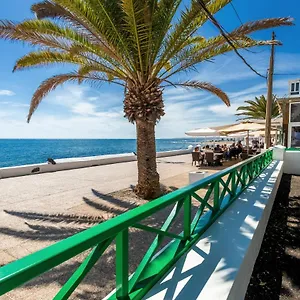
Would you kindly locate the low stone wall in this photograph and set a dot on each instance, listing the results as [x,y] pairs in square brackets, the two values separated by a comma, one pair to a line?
[79,162]
[292,162]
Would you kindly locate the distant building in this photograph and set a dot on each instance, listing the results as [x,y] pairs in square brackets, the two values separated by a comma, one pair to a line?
[294,90]
[290,108]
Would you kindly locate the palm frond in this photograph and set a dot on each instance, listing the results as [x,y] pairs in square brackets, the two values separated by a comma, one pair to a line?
[250,27]
[191,55]
[193,84]
[191,20]
[137,28]
[97,18]
[163,15]
[256,109]
[52,83]
[192,58]
[42,58]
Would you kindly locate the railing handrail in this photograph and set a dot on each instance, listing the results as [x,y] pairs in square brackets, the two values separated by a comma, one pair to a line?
[53,255]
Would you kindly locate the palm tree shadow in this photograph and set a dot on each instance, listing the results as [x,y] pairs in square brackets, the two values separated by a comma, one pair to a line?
[56,218]
[54,227]
[114,200]
[42,232]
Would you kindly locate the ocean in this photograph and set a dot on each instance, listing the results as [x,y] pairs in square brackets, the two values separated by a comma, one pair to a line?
[16,152]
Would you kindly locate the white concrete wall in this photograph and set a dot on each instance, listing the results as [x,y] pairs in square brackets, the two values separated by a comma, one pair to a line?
[76,163]
[292,162]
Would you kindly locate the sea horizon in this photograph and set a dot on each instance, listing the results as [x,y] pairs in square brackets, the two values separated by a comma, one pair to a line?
[16,152]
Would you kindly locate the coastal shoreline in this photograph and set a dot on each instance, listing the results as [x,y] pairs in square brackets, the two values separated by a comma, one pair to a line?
[77,163]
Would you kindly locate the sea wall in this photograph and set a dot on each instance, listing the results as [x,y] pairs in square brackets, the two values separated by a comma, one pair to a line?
[292,162]
[79,162]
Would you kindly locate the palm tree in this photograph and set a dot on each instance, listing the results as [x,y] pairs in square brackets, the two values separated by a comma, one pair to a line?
[137,44]
[257,108]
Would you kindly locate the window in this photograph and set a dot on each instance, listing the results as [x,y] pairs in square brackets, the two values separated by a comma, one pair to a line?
[294,124]
[295,136]
[292,87]
[295,88]
[295,112]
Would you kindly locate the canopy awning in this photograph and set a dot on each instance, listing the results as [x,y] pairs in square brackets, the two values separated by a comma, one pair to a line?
[262,133]
[275,122]
[204,132]
[242,127]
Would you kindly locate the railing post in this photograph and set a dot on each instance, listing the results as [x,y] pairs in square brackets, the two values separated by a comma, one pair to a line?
[244,175]
[122,265]
[217,196]
[233,183]
[187,217]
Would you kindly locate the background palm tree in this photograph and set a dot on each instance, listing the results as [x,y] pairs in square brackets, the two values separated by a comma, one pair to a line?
[138,44]
[257,108]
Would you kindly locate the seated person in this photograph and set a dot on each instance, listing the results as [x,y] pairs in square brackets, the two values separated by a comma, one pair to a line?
[255,147]
[218,149]
[201,156]
[207,149]
[225,151]
[239,149]
[232,151]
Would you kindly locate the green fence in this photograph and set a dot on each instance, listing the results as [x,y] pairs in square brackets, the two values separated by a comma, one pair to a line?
[218,192]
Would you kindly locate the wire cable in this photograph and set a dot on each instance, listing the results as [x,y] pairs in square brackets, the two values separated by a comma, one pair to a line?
[295,74]
[237,14]
[216,23]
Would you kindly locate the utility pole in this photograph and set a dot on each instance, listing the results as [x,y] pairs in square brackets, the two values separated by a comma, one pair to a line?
[270,96]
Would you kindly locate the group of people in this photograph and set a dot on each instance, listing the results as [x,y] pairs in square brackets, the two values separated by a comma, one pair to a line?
[229,152]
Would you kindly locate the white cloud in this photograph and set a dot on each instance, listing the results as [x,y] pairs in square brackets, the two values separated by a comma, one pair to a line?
[93,98]
[84,108]
[6,93]
[222,111]
[50,126]
[13,104]
[20,105]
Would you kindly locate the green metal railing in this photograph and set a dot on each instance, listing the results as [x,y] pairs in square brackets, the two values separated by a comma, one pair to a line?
[221,189]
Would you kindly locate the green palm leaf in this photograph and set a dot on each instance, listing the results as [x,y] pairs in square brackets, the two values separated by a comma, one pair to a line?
[193,84]
[256,109]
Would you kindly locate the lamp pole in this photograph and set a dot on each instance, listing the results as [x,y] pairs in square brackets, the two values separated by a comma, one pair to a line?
[270,96]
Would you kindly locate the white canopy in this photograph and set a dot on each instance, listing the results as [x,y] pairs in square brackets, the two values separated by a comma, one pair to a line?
[275,121]
[203,132]
[262,133]
[242,127]
[237,134]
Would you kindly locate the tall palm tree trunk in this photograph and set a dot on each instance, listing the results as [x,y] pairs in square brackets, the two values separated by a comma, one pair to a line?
[148,179]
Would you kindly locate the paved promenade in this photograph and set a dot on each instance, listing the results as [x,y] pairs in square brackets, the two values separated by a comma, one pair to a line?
[38,210]
[65,192]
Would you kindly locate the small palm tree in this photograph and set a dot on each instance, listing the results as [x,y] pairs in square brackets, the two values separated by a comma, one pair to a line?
[138,44]
[257,108]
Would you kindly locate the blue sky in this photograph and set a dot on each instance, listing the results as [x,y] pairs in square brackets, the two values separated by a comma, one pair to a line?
[83,112]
